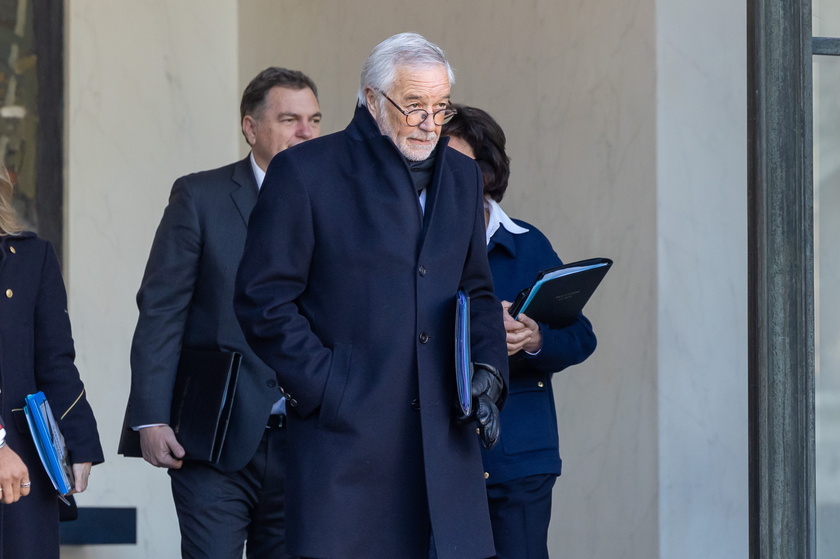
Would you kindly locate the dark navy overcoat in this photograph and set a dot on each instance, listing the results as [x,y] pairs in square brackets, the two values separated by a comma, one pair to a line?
[348,292]
[37,353]
[529,443]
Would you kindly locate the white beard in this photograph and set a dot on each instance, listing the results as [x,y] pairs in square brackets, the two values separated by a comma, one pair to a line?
[410,151]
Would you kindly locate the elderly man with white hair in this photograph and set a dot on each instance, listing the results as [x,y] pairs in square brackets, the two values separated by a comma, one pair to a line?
[356,249]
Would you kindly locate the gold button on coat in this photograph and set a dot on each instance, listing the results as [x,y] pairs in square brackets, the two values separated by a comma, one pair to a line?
[486,475]
[540,384]
[12,249]
[9,293]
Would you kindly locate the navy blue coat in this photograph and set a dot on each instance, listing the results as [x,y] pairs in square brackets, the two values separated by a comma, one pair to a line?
[529,441]
[37,353]
[186,300]
[348,292]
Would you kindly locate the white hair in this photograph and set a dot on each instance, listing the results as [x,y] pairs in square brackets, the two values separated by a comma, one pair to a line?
[405,49]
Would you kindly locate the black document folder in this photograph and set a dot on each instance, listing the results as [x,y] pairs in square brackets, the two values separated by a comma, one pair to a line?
[202,401]
[559,294]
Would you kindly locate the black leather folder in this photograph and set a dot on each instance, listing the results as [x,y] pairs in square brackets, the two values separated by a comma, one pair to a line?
[202,401]
[559,294]
[201,405]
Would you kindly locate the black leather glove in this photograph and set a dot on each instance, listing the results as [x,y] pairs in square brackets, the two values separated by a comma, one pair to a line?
[488,392]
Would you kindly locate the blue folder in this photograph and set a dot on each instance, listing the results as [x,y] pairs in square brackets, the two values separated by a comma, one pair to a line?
[49,441]
[463,360]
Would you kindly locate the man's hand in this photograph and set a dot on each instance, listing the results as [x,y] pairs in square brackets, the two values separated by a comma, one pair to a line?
[160,447]
[81,471]
[13,475]
[487,389]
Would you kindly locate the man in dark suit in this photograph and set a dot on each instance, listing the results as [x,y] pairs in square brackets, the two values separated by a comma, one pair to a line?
[355,312]
[186,301]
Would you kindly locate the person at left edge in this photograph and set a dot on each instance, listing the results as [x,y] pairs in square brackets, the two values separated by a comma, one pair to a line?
[36,354]
[186,300]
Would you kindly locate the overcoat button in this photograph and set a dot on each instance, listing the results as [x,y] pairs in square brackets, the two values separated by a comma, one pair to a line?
[421,270]
[540,384]
[272,383]
[415,404]
[9,294]
[424,337]
[12,250]
[486,475]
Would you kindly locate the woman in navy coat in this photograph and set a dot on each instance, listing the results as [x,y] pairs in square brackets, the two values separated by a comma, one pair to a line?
[36,353]
[522,468]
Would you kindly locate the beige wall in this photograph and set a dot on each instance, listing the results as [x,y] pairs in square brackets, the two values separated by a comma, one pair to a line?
[625,127]
[151,95]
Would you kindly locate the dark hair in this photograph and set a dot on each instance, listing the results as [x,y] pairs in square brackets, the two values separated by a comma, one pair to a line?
[487,140]
[253,99]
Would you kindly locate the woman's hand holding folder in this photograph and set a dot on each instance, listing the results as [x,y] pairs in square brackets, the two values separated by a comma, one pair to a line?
[521,332]
[81,472]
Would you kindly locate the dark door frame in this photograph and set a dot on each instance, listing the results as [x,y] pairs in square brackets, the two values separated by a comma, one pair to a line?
[781,277]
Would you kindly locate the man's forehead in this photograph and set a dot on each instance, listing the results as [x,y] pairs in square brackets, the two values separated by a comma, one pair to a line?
[286,99]
[422,81]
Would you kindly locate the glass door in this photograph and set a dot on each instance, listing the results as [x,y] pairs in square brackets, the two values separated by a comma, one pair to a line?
[826,99]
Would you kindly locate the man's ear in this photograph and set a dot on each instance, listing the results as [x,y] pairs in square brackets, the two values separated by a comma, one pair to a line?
[249,130]
[370,100]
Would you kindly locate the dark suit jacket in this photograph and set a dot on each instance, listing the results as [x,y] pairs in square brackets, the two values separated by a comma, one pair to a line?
[529,441]
[186,300]
[349,295]
[37,353]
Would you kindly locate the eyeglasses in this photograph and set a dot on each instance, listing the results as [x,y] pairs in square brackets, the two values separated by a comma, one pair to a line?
[419,116]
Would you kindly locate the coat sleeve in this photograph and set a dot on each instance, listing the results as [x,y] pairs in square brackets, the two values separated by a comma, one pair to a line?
[562,347]
[163,302]
[271,277]
[487,334]
[55,372]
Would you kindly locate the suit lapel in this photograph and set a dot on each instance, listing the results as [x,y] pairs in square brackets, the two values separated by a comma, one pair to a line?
[245,192]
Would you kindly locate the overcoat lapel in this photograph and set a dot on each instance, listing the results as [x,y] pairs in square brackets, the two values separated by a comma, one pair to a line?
[389,168]
[442,182]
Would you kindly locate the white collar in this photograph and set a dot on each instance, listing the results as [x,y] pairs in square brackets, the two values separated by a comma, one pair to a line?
[259,174]
[498,218]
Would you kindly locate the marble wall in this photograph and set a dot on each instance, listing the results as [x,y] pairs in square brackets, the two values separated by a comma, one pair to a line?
[152,94]
[702,279]
[626,127]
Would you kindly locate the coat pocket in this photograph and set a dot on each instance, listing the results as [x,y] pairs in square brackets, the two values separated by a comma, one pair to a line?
[529,422]
[330,416]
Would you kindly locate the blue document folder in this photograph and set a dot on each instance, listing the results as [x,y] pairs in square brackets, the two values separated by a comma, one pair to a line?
[463,360]
[49,441]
